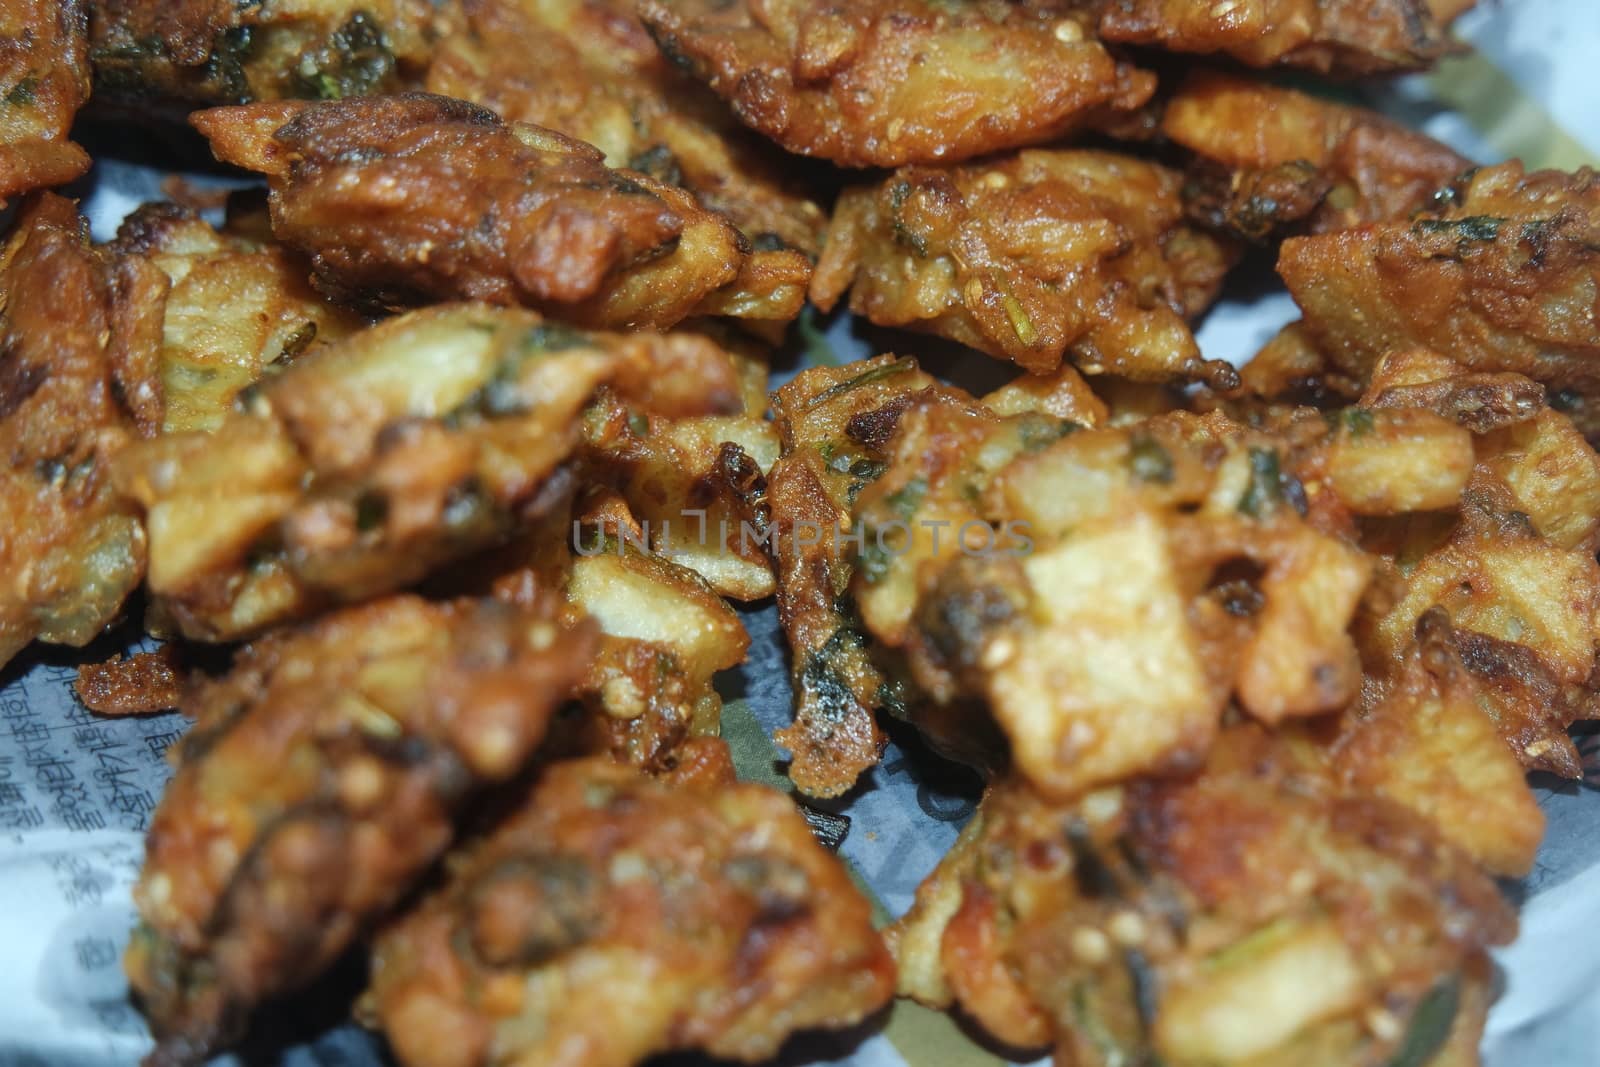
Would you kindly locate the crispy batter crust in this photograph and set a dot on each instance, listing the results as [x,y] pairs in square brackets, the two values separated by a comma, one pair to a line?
[1344,37]
[201,52]
[145,682]
[44,80]
[369,464]
[1156,919]
[209,313]
[320,780]
[888,82]
[1500,275]
[72,549]
[613,917]
[1034,257]
[414,198]
[1270,158]
[597,76]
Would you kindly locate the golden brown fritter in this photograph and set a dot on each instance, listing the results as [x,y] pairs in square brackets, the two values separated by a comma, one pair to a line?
[835,423]
[1270,158]
[319,782]
[202,52]
[44,80]
[366,465]
[693,483]
[1344,37]
[1256,913]
[1421,736]
[1073,576]
[1033,257]
[613,917]
[597,76]
[1511,564]
[886,82]
[211,312]
[415,198]
[664,632]
[1502,274]
[71,549]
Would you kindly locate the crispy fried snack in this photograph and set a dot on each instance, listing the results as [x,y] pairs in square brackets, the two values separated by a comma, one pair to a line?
[1271,158]
[1500,275]
[836,423]
[1344,37]
[203,52]
[1033,257]
[368,464]
[44,79]
[319,782]
[406,199]
[144,683]
[71,549]
[614,917]
[1421,737]
[210,313]
[881,83]
[597,76]
[664,633]
[1511,563]
[1255,913]
[694,485]
[1073,577]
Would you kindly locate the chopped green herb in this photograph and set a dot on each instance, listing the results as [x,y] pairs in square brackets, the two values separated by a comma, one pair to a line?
[899,193]
[1475,228]
[1150,461]
[905,501]
[22,93]
[355,61]
[658,162]
[876,374]
[1265,491]
[1430,1025]
[1358,422]
[1038,433]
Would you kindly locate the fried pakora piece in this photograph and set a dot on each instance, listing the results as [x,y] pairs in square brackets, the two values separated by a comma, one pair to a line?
[203,52]
[413,198]
[1271,158]
[211,313]
[1511,564]
[1500,274]
[664,633]
[835,423]
[695,485]
[44,80]
[368,464]
[1256,913]
[1073,576]
[598,76]
[71,550]
[614,917]
[1420,736]
[321,779]
[1034,257]
[1343,37]
[888,82]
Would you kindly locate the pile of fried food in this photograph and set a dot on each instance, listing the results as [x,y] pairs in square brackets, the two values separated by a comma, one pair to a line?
[1254,661]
